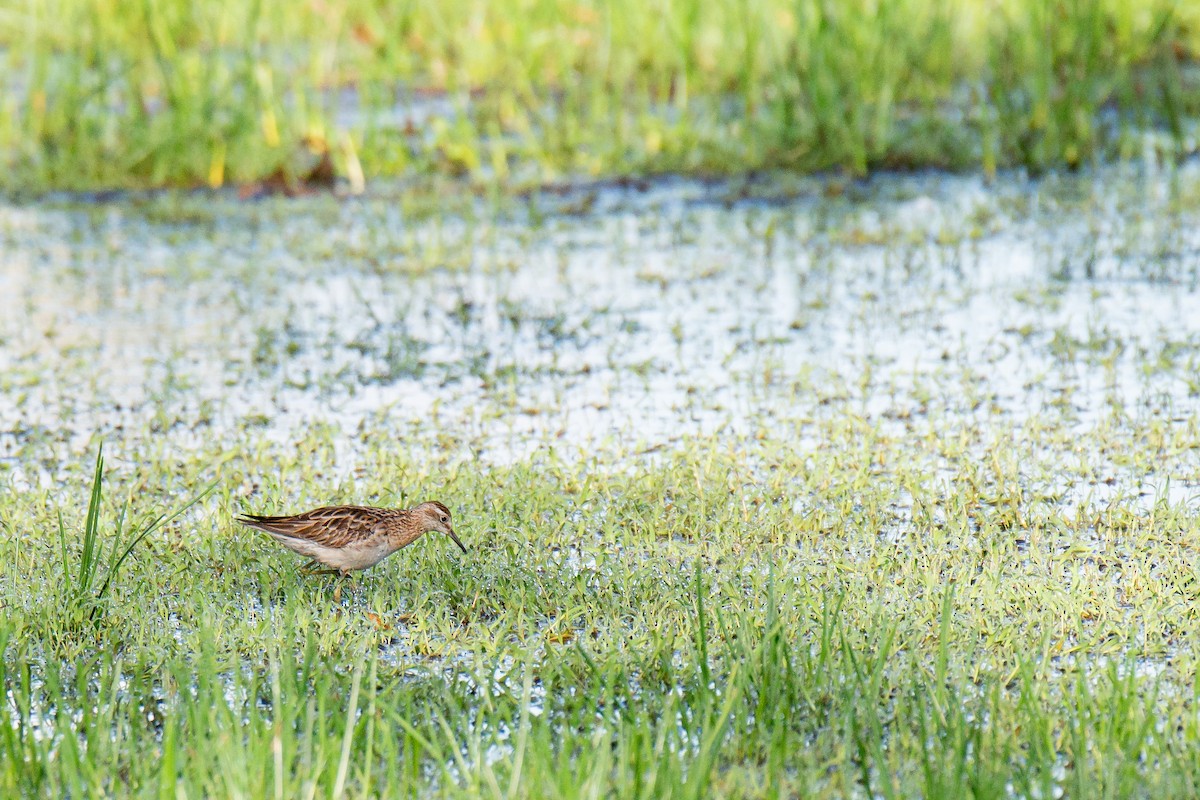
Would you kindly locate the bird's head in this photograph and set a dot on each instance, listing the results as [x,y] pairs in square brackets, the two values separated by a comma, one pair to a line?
[433,516]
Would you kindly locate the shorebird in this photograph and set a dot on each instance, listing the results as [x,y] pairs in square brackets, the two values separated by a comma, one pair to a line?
[346,538]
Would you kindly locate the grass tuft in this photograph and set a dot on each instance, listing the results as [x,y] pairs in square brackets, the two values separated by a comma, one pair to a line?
[98,564]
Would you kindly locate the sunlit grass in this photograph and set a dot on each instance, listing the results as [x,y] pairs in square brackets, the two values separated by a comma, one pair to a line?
[87,575]
[942,575]
[744,620]
[153,93]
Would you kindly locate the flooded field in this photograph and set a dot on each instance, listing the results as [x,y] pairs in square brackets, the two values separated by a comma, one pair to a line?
[616,318]
[916,432]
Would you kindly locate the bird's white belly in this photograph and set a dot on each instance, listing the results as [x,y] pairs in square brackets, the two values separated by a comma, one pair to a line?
[341,558]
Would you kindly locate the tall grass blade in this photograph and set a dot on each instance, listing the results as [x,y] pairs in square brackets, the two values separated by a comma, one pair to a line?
[339,784]
[91,527]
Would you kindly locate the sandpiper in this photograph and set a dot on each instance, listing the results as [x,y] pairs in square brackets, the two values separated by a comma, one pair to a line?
[346,538]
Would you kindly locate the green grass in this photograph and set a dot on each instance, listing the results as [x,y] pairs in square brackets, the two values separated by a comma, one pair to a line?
[88,575]
[165,92]
[727,620]
[949,576]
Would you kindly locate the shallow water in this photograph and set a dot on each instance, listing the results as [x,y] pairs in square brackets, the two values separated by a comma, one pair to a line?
[606,318]
[617,318]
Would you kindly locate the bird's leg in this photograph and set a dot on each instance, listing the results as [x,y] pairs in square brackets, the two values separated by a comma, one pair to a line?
[337,590]
[315,567]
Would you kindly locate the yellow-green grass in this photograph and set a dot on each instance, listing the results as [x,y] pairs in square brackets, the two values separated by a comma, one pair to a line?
[112,94]
[948,551]
[885,614]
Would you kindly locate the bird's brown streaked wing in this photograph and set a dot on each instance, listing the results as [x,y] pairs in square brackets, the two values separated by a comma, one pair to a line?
[332,526]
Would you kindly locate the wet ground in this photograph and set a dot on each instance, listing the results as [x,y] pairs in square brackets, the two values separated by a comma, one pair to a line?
[617,318]
[1047,330]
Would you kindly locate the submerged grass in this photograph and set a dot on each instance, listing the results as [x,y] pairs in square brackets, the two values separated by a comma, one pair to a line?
[169,92]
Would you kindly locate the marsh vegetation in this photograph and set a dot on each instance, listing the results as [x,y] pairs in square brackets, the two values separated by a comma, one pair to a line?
[814,384]
[769,490]
[516,93]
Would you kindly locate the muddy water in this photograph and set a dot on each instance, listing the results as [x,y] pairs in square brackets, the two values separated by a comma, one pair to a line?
[600,317]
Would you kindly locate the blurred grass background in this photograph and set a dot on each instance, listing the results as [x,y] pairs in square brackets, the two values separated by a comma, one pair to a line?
[105,93]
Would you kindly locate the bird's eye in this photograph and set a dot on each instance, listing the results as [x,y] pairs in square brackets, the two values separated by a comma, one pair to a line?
[445,518]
